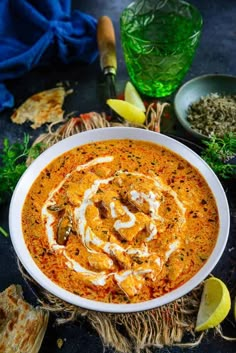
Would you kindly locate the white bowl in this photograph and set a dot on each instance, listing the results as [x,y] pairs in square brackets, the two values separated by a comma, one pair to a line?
[51,153]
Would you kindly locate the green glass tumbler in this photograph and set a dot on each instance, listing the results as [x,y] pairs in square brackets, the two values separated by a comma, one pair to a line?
[159,39]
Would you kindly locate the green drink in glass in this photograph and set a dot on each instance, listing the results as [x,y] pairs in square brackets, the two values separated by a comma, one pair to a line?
[159,40]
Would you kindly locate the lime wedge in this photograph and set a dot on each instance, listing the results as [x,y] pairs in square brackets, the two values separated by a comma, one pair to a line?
[127,111]
[215,304]
[132,96]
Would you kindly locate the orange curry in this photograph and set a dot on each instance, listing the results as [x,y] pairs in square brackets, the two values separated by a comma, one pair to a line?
[120,221]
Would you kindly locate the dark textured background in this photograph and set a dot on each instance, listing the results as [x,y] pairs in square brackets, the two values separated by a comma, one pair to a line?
[216,54]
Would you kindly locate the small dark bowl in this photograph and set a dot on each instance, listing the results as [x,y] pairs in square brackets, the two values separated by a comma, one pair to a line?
[199,87]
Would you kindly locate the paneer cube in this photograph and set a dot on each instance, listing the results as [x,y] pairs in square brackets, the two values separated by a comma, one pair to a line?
[100,262]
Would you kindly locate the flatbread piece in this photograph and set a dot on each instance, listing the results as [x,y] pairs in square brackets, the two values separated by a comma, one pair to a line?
[43,107]
[22,327]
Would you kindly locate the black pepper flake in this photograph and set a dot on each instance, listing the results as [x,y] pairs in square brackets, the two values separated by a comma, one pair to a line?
[180,167]
[203,202]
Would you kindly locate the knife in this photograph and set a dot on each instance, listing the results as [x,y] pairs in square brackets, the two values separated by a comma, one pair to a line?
[108,62]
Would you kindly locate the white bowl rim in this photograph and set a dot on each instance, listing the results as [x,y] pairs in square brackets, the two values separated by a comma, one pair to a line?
[108,134]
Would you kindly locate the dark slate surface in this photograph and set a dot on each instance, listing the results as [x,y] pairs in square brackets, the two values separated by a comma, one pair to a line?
[216,54]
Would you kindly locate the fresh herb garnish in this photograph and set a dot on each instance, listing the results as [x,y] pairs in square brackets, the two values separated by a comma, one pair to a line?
[13,164]
[3,232]
[218,152]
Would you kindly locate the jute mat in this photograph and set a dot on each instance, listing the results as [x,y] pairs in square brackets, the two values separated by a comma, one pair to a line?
[169,325]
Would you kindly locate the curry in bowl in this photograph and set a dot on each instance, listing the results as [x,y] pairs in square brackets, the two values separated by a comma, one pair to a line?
[120,221]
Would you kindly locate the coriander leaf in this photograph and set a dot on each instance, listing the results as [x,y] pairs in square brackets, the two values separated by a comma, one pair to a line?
[3,232]
[218,152]
[13,164]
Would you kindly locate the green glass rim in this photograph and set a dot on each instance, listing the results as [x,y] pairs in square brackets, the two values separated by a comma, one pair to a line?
[195,34]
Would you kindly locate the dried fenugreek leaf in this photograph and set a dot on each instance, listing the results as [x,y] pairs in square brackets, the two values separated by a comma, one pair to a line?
[213,114]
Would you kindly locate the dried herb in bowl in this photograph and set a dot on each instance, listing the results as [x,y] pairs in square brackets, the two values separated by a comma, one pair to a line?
[213,114]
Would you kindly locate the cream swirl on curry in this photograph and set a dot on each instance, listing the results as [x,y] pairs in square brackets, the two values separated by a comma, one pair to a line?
[114,222]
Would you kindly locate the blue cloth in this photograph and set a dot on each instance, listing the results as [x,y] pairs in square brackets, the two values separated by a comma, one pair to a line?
[36,32]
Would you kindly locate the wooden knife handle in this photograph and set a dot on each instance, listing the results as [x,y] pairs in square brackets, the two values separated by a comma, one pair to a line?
[106,43]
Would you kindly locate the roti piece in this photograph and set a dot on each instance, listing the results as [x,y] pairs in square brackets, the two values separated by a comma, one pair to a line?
[43,107]
[22,327]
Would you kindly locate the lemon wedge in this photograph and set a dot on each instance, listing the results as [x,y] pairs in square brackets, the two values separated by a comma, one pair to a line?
[235,309]
[132,96]
[215,304]
[127,111]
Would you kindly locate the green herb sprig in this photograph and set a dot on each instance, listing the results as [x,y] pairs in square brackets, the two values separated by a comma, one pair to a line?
[217,153]
[3,232]
[13,164]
